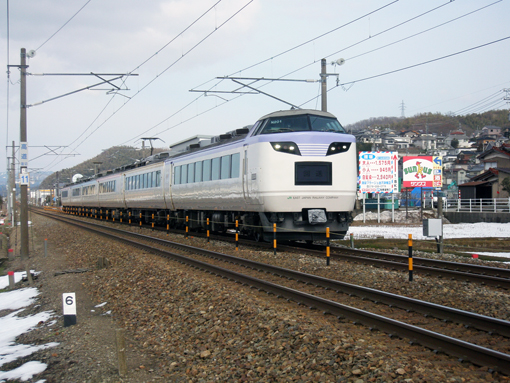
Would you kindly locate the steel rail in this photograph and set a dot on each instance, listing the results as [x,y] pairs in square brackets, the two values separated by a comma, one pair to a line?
[477,355]
[436,263]
[469,319]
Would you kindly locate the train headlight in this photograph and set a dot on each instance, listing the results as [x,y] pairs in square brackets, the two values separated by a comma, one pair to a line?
[338,147]
[286,147]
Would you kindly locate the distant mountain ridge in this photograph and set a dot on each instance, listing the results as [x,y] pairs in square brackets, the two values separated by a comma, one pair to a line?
[436,122]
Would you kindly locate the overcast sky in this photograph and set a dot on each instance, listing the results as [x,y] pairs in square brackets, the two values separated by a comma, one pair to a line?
[200,40]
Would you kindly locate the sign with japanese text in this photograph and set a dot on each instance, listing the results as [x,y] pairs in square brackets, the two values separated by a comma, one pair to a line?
[423,171]
[378,172]
[23,157]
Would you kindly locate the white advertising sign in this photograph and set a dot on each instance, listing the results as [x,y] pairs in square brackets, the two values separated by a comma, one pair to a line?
[378,172]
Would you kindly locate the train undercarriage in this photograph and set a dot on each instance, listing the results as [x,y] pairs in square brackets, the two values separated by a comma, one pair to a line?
[307,225]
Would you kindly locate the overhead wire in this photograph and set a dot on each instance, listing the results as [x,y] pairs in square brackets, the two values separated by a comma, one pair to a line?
[311,40]
[67,22]
[263,61]
[467,108]
[166,69]
[8,82]
[413,66]
[130,72]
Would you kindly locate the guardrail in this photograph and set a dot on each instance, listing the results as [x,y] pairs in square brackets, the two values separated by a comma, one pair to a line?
[488,205]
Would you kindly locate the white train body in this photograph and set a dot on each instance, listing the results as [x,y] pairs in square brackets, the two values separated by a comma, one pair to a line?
[295,169]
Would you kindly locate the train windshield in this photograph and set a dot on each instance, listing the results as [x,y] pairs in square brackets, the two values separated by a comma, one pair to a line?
[301,123]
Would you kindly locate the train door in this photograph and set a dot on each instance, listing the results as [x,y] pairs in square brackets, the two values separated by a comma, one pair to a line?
[168,177]
[123,188]
[250,182]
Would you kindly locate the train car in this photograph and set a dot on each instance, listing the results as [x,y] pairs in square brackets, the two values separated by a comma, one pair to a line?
[295,169]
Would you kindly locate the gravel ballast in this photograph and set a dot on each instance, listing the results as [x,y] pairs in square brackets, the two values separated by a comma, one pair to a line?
[183,325]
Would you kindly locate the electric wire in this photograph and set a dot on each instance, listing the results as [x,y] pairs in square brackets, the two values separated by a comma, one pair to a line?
[357,43]
[392,43]
[7,90]
[427,62]
[306,42]
[162,72]
[482,106]
[261,62]
[67,22]
[123,82]
[412,66]
[295,47]
[467,108]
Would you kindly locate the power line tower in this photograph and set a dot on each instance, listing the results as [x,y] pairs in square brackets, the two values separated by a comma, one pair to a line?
[402,109]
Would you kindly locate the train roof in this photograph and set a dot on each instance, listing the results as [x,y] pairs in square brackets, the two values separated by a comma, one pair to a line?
[296,112]
[201,142]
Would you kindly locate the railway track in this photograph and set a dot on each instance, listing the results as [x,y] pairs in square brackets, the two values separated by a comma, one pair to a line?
[425,323]
[489,276]
[485,275]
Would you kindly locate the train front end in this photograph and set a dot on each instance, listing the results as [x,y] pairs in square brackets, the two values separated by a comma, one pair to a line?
[301,169]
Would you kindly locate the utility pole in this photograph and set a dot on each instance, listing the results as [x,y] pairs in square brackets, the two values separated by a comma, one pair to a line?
[23,164]
[57,199]
[324,86]
[12,187]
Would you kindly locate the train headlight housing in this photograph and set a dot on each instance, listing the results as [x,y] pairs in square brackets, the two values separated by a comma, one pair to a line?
[286,147]
[338,147]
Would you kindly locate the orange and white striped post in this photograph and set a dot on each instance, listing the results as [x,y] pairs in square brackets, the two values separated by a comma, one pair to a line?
[410,245]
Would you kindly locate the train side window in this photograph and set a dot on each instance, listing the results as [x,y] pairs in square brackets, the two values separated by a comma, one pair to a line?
[184,174]
[177,175]
[215,168]
[158,178]
[207,170]
[225,167]
[191,173]
[198,171]
[236,164]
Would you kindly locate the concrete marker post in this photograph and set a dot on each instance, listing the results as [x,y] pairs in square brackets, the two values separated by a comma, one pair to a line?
[352,240]
[121,351]
[11,280]
[69,303]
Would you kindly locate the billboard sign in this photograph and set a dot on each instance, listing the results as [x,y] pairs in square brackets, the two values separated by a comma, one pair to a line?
[378,172]
[423,171]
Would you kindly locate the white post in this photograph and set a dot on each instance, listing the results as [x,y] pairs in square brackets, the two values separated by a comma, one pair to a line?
[364,197]
[392,207]
[378,207]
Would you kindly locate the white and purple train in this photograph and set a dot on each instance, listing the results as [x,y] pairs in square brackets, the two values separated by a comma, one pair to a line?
[295,169]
